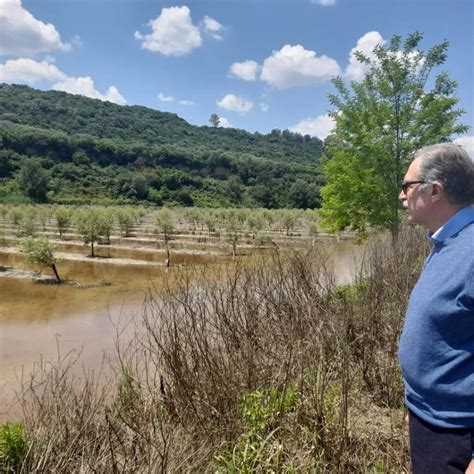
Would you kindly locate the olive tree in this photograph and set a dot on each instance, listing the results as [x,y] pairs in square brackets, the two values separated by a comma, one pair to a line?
[165,225]
[40,251]
[89,225]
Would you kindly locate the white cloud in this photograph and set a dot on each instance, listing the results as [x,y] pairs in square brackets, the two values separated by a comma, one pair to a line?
[467,142]
[165,98]
[28,71]
[21,34]
[319,127]
[324,3]
[365,44]
[246,70]
[224,123]
[263,107]
[85,86]
[212,27]
[173,33]
[295,66]
[186,102]
[236,104]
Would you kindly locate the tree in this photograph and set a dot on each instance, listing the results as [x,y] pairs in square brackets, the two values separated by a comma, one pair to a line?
[214,120]
[33,180]
[89,224]
[380,121]
[164,223]
[63,217]
[40,251]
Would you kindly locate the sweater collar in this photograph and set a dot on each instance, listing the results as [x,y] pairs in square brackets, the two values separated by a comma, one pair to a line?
[453,225]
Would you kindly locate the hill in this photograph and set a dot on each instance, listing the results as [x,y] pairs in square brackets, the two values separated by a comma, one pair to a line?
[87,150]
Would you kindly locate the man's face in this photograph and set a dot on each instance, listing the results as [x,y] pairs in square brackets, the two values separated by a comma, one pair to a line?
[416,199]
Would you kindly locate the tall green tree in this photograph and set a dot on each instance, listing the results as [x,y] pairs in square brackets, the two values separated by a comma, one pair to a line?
[33,180]
[380,120]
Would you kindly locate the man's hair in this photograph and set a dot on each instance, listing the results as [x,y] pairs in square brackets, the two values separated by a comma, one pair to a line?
[450,165]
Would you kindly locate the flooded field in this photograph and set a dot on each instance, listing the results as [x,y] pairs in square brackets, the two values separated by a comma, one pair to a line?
[100,297]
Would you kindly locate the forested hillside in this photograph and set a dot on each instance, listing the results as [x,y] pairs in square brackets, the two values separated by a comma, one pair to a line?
[58,147]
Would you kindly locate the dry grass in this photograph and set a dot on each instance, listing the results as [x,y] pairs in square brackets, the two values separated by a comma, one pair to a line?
[262,367]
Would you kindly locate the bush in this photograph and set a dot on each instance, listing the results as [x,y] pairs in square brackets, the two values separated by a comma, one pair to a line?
[13,446]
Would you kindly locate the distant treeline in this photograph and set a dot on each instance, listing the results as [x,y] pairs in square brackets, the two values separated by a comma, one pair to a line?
[89,151]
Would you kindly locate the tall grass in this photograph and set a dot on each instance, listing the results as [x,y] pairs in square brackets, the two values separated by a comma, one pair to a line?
[254,367]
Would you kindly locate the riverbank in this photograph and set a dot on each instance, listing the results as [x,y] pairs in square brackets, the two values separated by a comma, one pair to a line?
[270,366]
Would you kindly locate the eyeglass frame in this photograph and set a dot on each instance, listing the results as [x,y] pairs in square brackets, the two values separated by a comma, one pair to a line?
[406,184]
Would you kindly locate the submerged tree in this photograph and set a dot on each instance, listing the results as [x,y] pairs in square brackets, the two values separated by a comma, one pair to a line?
[380,121]
[40,251]
[164,223]
[89,225]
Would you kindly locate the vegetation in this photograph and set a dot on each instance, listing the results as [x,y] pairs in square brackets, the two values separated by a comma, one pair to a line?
[258,367]
[62,148]
[40,251]
[380,121]
[13,446]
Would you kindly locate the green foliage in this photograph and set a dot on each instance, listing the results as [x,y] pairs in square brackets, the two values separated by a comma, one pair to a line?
[38,250]
[33,180]
[126,221]
[92,223]
[257,448]
[260,409]
[164,223]
[13,446]
[85,151]
[380,121]
[63,216]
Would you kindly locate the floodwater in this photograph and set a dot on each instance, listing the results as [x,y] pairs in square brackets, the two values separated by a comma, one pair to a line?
[42,321]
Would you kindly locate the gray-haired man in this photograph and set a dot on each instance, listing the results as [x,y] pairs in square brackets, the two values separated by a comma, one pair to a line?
[437,344]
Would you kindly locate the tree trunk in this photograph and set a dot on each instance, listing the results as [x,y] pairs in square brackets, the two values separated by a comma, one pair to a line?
[92,249]
[56,274]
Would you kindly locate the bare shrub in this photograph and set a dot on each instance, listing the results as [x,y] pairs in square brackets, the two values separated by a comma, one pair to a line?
[263,364]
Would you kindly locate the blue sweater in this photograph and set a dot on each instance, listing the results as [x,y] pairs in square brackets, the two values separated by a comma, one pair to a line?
[437,343]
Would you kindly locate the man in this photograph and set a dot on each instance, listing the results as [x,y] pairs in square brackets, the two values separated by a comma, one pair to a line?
[437,343]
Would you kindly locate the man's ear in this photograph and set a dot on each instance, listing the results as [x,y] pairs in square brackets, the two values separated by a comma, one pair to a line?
[437,191]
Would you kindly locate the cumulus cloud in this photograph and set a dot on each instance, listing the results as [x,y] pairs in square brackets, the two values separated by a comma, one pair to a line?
[165,98]
[246,70]
[212,27]
[85,86]
[263,107]
[21,34]
[28,71]
[224,123]
[320,126]
[172,33]
[356,70]
[467,142]
[235,104]
[294,66]
[186,102]
[326,3]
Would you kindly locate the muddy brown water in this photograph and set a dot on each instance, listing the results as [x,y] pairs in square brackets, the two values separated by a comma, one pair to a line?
[37,320]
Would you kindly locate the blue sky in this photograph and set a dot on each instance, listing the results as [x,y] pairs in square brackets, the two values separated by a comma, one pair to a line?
[258,64]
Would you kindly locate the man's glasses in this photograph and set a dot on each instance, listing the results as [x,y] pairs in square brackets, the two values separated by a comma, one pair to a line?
[406,184]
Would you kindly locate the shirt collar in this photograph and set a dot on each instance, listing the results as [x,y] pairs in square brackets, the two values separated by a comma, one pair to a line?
[453,225]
